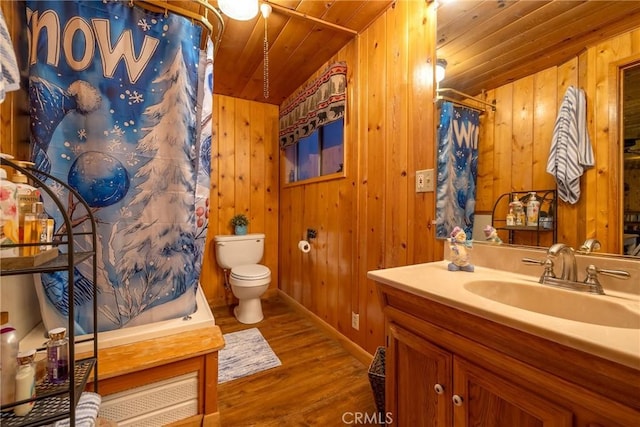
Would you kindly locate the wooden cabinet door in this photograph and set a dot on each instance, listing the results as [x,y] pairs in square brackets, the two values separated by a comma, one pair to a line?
[417,381]
[482,398]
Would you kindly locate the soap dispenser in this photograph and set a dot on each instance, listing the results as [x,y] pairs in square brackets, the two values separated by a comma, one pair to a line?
[533,209]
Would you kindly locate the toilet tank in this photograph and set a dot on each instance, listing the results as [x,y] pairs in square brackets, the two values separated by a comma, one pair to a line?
[232,250]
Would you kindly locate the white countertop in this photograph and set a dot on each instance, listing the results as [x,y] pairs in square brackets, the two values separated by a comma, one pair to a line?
[435,282]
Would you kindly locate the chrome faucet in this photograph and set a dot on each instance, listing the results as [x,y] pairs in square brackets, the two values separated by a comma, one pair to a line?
[569,277]
[568,257]
[589,245]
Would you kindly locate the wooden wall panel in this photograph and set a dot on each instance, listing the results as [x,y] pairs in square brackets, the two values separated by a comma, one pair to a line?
[422,245]
[244,179]
[372,218]
[485,197]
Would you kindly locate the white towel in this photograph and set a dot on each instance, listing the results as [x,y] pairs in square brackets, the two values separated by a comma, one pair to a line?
[86,411]
[9,71]
[571,153]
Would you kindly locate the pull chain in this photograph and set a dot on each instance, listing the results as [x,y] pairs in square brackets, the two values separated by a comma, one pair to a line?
[265,88]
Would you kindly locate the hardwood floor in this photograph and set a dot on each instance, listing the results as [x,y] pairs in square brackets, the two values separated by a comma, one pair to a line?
[319,382]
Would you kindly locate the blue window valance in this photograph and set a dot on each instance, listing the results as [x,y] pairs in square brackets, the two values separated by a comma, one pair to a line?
[321,102]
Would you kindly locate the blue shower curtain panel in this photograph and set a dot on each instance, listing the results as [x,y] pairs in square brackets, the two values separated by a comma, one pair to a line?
[120,105]
[457,169]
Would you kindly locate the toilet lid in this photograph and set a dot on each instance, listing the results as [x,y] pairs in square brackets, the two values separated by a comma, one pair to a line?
[250,272]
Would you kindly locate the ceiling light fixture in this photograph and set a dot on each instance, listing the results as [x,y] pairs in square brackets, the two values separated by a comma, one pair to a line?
[241,10]
[441,66]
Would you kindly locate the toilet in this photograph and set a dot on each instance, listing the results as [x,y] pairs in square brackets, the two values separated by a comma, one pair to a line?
[239,257]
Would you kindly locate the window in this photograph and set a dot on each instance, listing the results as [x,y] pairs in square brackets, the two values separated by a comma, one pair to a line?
[318,154]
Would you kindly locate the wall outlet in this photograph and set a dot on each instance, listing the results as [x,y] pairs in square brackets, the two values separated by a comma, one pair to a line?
[355,321]
[424,180]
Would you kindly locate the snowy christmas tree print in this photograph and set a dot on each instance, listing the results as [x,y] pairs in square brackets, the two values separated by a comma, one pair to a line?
[156,245]
[457,169]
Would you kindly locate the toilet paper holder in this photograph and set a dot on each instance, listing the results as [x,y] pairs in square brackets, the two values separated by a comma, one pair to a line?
[311,233]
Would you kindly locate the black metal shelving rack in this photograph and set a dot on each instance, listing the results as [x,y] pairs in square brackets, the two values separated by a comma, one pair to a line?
[55,402]
[547,198]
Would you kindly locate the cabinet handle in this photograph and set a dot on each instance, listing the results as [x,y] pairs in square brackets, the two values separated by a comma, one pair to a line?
[438,388]
[457,400]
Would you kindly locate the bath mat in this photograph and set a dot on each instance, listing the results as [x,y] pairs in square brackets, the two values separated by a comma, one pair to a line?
[245,353]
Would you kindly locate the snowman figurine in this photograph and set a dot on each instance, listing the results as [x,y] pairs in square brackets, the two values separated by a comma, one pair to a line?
[492,234]
[459,246]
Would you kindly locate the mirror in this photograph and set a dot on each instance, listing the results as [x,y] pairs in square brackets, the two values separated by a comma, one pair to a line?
[630,125]
[608,213]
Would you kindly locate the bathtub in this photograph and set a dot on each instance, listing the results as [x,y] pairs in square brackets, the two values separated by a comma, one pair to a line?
[37,337]
[138,392]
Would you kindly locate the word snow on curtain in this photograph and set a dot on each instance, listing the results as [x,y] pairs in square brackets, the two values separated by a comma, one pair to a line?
[457,169]
[120,104]
[321,102]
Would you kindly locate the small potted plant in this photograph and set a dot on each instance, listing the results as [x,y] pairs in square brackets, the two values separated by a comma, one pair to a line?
[239,223]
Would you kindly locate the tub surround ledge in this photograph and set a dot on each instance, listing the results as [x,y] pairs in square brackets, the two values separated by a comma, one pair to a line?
[141,363]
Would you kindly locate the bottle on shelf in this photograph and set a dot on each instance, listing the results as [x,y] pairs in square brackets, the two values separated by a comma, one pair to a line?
[58,356]
[533,209]
[518,210]
[29,233]
[41,226]
[9,217]
[511,218]
[8,362]
[25,382]
[27,196]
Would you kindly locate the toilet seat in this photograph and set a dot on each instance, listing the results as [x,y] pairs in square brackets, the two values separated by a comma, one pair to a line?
[243,275]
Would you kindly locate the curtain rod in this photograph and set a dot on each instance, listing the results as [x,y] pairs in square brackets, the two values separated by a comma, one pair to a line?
[492,105]
[461,104]
[293,12]
[201,17]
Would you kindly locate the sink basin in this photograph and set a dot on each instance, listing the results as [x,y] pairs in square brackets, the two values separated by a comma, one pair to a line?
[580,307]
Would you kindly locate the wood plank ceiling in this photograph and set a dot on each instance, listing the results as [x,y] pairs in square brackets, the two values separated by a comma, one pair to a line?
[486,43]
[490,43]
[298,47]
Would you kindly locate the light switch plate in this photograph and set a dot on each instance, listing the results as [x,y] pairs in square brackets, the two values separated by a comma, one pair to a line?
[424,181]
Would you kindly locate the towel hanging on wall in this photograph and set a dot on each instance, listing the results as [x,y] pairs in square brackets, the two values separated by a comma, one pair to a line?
[571,152]
[9,72]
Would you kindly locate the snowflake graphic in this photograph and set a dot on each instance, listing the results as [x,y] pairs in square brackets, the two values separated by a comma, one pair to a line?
[82,134]
[143,25]
[57,189]
[117,130]
[132,159]
[125,212]
[114,145]
[136,97]
[76,149]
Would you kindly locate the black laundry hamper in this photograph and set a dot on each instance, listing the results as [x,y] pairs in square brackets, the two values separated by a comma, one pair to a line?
[376,379]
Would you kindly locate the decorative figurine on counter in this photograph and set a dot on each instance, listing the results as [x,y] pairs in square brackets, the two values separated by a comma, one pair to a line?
[459,246]
[491,234]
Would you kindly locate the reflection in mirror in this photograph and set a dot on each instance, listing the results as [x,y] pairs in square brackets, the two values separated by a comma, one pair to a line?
[631,159]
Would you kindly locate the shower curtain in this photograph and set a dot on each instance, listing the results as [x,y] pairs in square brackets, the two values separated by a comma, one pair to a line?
[457,169]
[120,104]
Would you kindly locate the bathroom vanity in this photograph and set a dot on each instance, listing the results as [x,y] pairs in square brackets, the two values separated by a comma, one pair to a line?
[457,356]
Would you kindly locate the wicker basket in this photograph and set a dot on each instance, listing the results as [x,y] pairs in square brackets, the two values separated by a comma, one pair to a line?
[376,378]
